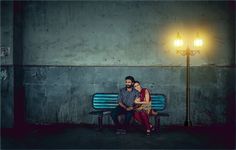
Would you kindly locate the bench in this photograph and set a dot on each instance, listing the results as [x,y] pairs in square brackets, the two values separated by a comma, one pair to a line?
[103,103]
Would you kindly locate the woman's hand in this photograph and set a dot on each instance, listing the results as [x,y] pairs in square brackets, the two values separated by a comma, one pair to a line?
[129,108]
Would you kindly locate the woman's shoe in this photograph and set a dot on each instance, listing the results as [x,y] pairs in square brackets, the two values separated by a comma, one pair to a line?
[154,112]
[152,127]
[148,132]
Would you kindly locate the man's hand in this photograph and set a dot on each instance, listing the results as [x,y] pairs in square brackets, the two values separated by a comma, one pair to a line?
[137,100]
[137,106]
[129,108]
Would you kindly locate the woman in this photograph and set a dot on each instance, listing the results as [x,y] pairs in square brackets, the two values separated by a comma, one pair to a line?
[143,107]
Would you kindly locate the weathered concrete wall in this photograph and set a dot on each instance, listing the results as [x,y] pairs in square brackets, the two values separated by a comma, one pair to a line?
[7,31]
[63,94]
[7,112]
[7,102]
[125,33]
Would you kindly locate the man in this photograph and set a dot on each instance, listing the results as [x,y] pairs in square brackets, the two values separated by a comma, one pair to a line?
[126,98]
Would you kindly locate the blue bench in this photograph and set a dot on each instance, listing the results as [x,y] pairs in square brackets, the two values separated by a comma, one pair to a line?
[103,103]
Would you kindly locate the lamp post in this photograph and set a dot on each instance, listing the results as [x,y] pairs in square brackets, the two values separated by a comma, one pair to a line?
[187,52]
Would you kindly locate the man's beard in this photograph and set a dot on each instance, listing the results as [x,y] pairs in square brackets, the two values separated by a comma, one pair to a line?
[128,86]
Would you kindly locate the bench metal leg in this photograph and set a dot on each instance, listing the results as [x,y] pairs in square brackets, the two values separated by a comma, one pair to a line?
[100,117]
[157,123]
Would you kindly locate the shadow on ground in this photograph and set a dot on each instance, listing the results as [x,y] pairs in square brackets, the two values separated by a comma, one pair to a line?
[83,136]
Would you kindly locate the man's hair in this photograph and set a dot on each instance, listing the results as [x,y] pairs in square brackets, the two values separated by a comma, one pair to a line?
[130,78]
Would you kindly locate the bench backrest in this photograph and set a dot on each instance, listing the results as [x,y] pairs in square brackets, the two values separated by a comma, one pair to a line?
[104,101]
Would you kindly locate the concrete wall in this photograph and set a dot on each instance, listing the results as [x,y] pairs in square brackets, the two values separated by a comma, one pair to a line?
[7,31]
[72,50]
[7,101]
[63,94]
[125,33]
[7,73]
[11,63]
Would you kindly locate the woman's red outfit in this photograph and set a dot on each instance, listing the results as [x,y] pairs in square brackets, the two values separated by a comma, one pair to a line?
[142,115]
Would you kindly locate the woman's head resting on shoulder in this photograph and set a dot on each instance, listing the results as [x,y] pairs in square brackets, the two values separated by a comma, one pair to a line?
[137,86]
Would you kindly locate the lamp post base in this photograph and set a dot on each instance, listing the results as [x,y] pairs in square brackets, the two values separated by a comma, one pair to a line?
[188,123]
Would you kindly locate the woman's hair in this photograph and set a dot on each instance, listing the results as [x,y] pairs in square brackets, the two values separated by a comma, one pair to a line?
[136,82]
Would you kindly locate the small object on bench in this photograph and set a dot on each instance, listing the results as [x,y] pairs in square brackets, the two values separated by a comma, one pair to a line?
[103,103]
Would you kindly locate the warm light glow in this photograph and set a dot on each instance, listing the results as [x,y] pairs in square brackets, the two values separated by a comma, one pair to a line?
[198,42]
[178,42]
[188,35]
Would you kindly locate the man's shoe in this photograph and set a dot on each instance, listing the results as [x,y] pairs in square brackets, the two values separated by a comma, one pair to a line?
[123,132]
[118,131]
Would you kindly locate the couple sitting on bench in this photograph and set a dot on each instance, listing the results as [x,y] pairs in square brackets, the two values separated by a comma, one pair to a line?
[134,101]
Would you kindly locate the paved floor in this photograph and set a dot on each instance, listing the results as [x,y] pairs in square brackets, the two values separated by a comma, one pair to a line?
[87,137]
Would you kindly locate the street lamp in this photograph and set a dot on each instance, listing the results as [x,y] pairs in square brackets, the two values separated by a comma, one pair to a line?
[198,42]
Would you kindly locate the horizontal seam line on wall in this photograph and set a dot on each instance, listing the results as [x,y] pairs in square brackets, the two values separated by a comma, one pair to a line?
[227,66]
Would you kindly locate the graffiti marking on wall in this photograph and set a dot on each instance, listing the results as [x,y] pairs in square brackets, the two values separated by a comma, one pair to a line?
[3,74]
[5,51]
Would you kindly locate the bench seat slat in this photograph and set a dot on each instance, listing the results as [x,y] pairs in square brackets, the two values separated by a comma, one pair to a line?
[105,100]
[101,104]
[101,107]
